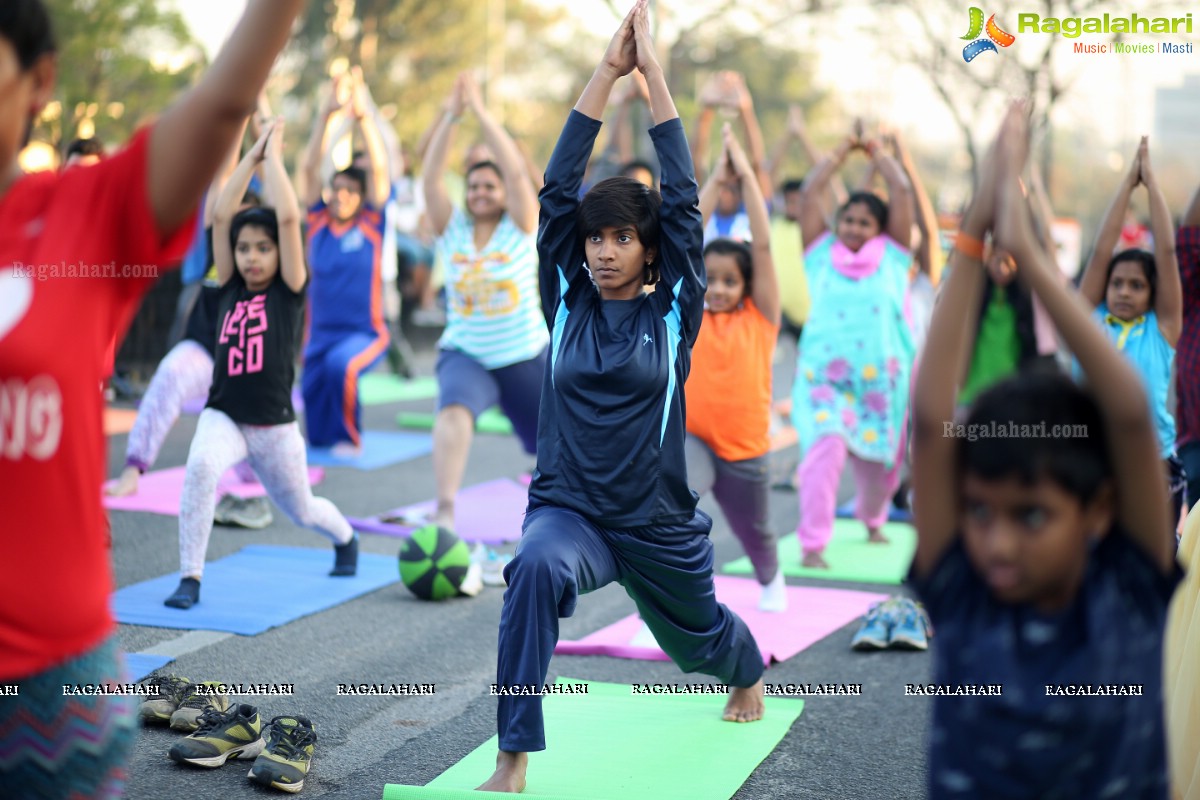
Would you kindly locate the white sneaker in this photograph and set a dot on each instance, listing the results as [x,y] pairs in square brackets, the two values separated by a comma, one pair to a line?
[644,638]
[774,598]
[491,564]
[472,584]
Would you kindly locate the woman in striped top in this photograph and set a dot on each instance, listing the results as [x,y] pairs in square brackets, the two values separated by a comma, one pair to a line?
[494,348]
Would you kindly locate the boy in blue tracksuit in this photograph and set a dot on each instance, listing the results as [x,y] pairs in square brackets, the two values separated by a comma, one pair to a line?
[609,499]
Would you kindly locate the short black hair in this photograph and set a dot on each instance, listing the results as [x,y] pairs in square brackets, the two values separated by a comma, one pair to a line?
[26,23]
[478,165]
[740,252]
[1145,260]
[875,207]
[357,175]
[254,218]
[792,185]
[85,147]
[620,201]
[629,167]
[1075,457]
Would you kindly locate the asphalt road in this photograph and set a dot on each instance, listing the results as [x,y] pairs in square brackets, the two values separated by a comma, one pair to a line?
[865,747]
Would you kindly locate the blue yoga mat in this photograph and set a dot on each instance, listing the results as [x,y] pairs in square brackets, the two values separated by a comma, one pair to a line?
[846,511]
[142,664]
[255,589]
[379,449]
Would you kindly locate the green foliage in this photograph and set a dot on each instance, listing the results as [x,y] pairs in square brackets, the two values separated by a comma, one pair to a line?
[776,76]
[103,47]
[412,51]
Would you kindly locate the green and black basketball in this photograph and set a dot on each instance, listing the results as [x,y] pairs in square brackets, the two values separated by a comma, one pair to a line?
[433,563]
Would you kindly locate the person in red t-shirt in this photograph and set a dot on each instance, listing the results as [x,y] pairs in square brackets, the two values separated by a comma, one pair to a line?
[115,223]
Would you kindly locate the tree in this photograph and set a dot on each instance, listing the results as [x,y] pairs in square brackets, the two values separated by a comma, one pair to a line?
[105,81]
[1034,69]
[411,52]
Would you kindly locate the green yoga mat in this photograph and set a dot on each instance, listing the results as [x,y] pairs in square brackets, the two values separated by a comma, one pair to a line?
[849,555]
[490,421]
[610,744]
[378,388]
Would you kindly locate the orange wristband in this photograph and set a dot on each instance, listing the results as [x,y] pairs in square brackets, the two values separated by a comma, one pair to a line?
[969,246]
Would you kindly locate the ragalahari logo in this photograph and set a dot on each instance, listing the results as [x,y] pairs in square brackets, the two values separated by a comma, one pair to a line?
[995,36]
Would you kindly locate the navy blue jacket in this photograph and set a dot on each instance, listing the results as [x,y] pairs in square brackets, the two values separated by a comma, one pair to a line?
[611,427]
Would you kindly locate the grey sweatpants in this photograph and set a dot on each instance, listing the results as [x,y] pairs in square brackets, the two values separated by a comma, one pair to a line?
[742,489]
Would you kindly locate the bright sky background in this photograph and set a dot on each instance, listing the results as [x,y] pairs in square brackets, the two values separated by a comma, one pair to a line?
[1112,95]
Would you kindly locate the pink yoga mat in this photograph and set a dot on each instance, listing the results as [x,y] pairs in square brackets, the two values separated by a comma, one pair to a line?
[159,491]
[490,512]
[812,615]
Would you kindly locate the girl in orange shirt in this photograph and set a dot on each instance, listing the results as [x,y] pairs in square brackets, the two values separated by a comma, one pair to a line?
[729,389]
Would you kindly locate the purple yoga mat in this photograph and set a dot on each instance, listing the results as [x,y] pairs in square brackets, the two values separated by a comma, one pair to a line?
[159,491]
[812,615]
[196,404]
[491,512]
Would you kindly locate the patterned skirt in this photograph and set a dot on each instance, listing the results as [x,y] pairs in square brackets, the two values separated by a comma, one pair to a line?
[53,745]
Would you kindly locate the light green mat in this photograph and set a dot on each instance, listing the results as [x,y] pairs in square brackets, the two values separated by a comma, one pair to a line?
[490,421]
[378,388]
[610,744]
[849,555]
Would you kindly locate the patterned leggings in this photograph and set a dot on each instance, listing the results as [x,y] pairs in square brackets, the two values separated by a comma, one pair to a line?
[67,748]
[276,453]
[184,373]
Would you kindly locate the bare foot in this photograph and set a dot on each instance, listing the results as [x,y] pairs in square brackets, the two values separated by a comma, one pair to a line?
[126,484]
[875,536]
[745,705]
[509,775]
[814,560]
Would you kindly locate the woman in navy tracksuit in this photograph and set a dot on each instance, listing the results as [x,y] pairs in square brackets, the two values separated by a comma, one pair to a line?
[609,499]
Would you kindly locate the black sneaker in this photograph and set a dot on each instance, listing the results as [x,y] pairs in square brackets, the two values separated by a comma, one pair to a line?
[288,755]
[236,733]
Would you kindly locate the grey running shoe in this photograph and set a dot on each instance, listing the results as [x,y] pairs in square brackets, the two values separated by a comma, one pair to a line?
[201,697]
[158,708]
[250,512]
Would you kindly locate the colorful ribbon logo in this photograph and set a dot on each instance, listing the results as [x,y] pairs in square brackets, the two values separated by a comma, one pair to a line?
[996,36]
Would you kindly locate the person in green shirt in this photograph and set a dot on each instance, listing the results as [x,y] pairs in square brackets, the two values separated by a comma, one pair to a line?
[1006,340]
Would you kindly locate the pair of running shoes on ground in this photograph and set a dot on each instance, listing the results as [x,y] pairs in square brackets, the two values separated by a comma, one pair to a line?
[243,512]
[219,729]
[897,623]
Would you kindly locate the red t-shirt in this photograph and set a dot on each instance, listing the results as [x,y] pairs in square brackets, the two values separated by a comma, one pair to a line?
[96,225]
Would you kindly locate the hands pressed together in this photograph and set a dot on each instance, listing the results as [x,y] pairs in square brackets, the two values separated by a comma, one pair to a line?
[632,47]
[733,165]
[1139,170]
[348,93]
[270,141]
